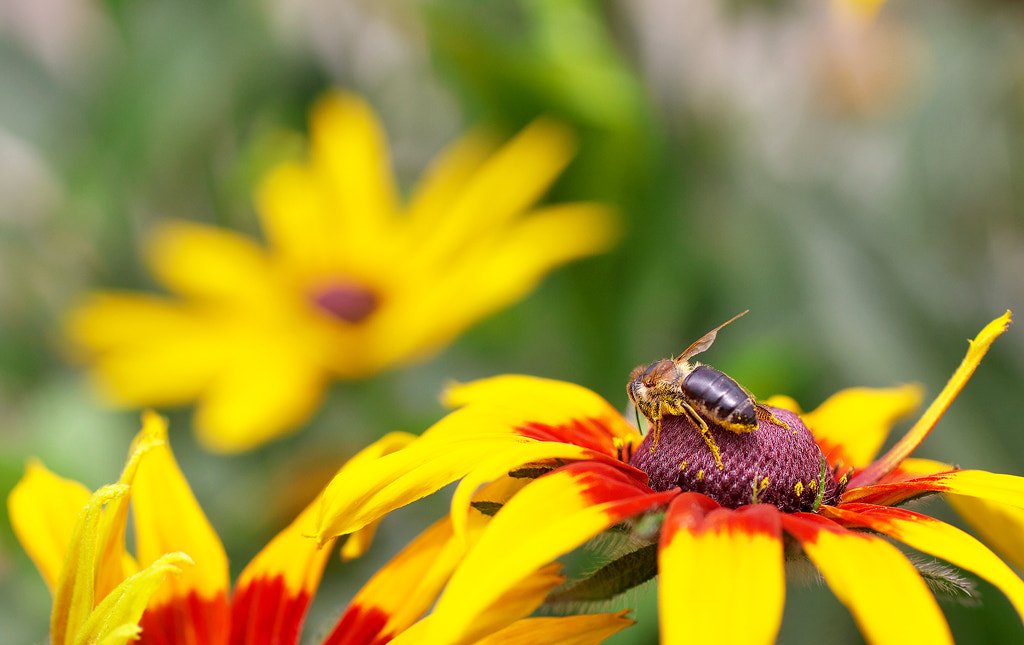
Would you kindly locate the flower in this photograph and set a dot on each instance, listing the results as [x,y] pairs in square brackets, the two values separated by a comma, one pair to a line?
[350,282]
[87,561]
[800,485]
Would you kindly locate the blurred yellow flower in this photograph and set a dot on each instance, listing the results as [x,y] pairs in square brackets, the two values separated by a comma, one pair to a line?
[350,281]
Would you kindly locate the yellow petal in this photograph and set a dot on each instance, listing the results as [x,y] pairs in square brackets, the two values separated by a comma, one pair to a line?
[588,629]
[444,181]
[880,587]
[515,603]
[1000,525]
[44,510]
[74,597]
[147,350]
[888,462]
[734,554]
[500,269]
[168,519]
[507,184]
[115,564]
[938,539]
[270,389]
[549,517]
[210,263]
[115,620]
[852,425]
[335,212]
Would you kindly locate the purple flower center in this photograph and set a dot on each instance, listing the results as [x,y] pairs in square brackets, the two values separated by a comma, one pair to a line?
[773,464]
[346,301]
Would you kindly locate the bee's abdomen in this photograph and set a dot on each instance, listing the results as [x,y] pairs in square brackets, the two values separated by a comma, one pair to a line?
[724,401]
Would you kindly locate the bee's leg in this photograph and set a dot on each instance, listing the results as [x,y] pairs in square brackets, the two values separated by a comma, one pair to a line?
[765,414]
[684,408]
[655,429]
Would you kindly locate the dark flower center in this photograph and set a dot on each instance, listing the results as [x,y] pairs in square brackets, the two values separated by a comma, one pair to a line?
[773,464]
[346,301]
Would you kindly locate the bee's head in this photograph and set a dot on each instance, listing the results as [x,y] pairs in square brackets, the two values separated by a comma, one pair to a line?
[644,378]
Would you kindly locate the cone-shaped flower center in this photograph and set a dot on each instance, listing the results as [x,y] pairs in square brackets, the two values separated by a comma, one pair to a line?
[773,464]
[348,301]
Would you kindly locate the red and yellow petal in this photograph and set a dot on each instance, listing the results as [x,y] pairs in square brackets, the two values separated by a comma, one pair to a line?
[400,592]
[709,558]
[880,587]
[851,425]
[44,510]
[548,410]
[936,538]
[551,516]
[193,607]
[274,591]
[905,446]
[996,487]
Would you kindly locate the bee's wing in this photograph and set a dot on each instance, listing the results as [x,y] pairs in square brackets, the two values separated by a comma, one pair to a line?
[705,341]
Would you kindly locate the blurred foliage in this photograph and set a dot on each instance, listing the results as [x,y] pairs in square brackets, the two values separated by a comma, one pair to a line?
[857,186]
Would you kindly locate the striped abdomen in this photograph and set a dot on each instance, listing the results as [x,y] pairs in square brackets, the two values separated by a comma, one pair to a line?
[720,399]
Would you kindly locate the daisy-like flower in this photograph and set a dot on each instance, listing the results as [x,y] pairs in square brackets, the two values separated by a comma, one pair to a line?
[351,281]
[800,486]
[105,596]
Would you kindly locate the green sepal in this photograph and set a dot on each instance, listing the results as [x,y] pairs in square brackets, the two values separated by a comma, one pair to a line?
[616,577]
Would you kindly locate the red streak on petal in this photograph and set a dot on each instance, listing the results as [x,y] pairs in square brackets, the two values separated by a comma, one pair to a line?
[267,612]
[894,493]
[806,527]
[189,620]
[601,483]
[360,626]
[592,433]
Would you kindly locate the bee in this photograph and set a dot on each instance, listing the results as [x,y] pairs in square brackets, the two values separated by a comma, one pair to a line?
[696,391]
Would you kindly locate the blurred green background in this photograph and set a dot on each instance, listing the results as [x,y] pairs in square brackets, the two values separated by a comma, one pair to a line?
[858,187]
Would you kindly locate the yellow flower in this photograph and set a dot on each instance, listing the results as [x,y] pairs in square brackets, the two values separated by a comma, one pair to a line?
[88,561]
[800,485]
[350,281]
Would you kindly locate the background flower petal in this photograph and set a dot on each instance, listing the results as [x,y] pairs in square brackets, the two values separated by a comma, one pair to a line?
[880,587]
[349,156]
[260,394]
[1000,525]
[722,577]
[146,350]
[213,264]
